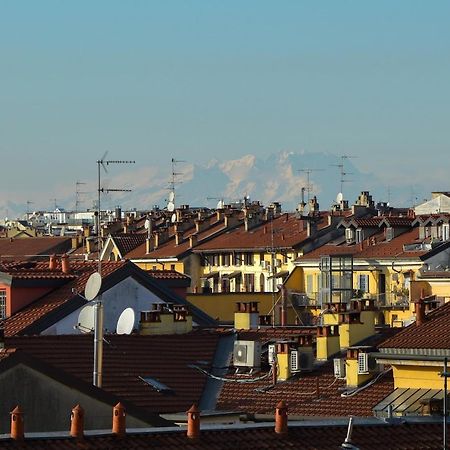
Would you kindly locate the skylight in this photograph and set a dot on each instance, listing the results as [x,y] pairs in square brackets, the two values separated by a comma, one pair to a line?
[157,385]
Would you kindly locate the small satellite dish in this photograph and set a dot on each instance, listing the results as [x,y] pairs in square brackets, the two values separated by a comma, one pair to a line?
[170,206]
[147,224]
[220,204]
[86,319]
[173,219]
[339,197]
[171,196]
[125,324]
[93,285]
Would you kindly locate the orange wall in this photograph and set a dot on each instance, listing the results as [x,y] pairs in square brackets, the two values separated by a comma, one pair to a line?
[18,298]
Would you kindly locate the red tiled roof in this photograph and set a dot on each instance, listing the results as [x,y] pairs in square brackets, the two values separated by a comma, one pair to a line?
[265,334]
[400,436]
[301,395]
[432,334]
[165,358]
[288,231]
[50,302]
[167,275]
[128,242]
[30,247]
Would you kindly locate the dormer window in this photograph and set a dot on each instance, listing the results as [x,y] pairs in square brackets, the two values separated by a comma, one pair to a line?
[359,235]
[445,231]
[389,234]
[349,235]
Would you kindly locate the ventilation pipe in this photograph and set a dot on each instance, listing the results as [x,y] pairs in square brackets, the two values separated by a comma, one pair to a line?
[17,426]
[193,426]
[77,422]
[281,418]
[119,425]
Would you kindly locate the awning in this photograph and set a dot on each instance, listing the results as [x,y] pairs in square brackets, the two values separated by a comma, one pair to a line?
[211,275]
[235,274]
[281,274]
[406,402]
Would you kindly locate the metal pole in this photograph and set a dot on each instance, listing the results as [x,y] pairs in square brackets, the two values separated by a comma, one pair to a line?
[445,403]
[98,343]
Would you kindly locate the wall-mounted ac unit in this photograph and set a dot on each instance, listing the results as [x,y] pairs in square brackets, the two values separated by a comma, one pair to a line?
[271,353]
[339,367]
[367,364]
[247,354]
[294,361]
[301,361]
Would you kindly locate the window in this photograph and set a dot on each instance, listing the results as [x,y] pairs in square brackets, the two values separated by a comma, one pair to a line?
[363,283]
[359,235]
[445,231]
[248,259]
[349,234]
[172,267]
[309,285]
[226,259]
[249,282]
[215,259]
[237,259]
[2,303]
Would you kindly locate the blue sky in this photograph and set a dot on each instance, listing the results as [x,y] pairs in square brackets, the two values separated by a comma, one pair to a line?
[197,80]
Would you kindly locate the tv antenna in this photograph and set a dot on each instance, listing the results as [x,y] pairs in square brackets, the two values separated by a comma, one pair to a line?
[174,181]
[78,194]
[342,171]
[54,203]
[28,207]
[308,172]
[104,163]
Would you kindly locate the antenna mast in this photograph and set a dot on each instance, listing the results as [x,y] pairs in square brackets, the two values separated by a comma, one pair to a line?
[28,207]
[78,194]
[308,186]
[174,181]
[342,171]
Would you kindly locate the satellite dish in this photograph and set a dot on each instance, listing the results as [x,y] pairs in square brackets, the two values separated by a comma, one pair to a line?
[220,204]
[125,324]
[173,218]
[170,206]
[93,285]
[339,197]
[171,196]
[86,320]
[147,224]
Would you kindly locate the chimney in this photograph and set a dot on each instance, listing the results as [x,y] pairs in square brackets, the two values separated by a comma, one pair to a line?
[246,316]
[52,262]
[119,420]
[17,427]
[193,240]
[178,237]
[420,312]
[65,265]
[193,426]
[281,418]
[77,422]
[311,228]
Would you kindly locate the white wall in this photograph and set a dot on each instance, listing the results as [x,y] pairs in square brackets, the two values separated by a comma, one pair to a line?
[126,294]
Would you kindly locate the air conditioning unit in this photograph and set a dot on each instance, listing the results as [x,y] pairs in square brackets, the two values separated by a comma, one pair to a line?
[339,367]
[247,354]
[294,361]
[367,364]
[363,363]
[271,353]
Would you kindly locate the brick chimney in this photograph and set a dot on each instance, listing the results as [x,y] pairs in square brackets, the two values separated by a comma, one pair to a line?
[420,312]
[17,426]
[77,422]
[119,425]
[65,265]
[193,426]
[281,418]
[178,237]
[52,262]
[193,240]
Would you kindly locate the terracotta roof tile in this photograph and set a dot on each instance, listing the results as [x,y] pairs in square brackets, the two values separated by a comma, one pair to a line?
[165,358]
[30,247]
[128,242]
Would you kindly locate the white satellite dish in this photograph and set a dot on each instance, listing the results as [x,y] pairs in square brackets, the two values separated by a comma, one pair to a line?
[339,197]
[86,319]
[173,218]
[170,206]
[125,324]
[93,285]
[147,224]
[171,196]
[220,204]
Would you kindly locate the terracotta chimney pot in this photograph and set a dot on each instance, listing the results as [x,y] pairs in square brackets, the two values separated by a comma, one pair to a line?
[65,265]
[119,426]
[193,427]
[281,419]
[17,426]
[77,422]
[52,262]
